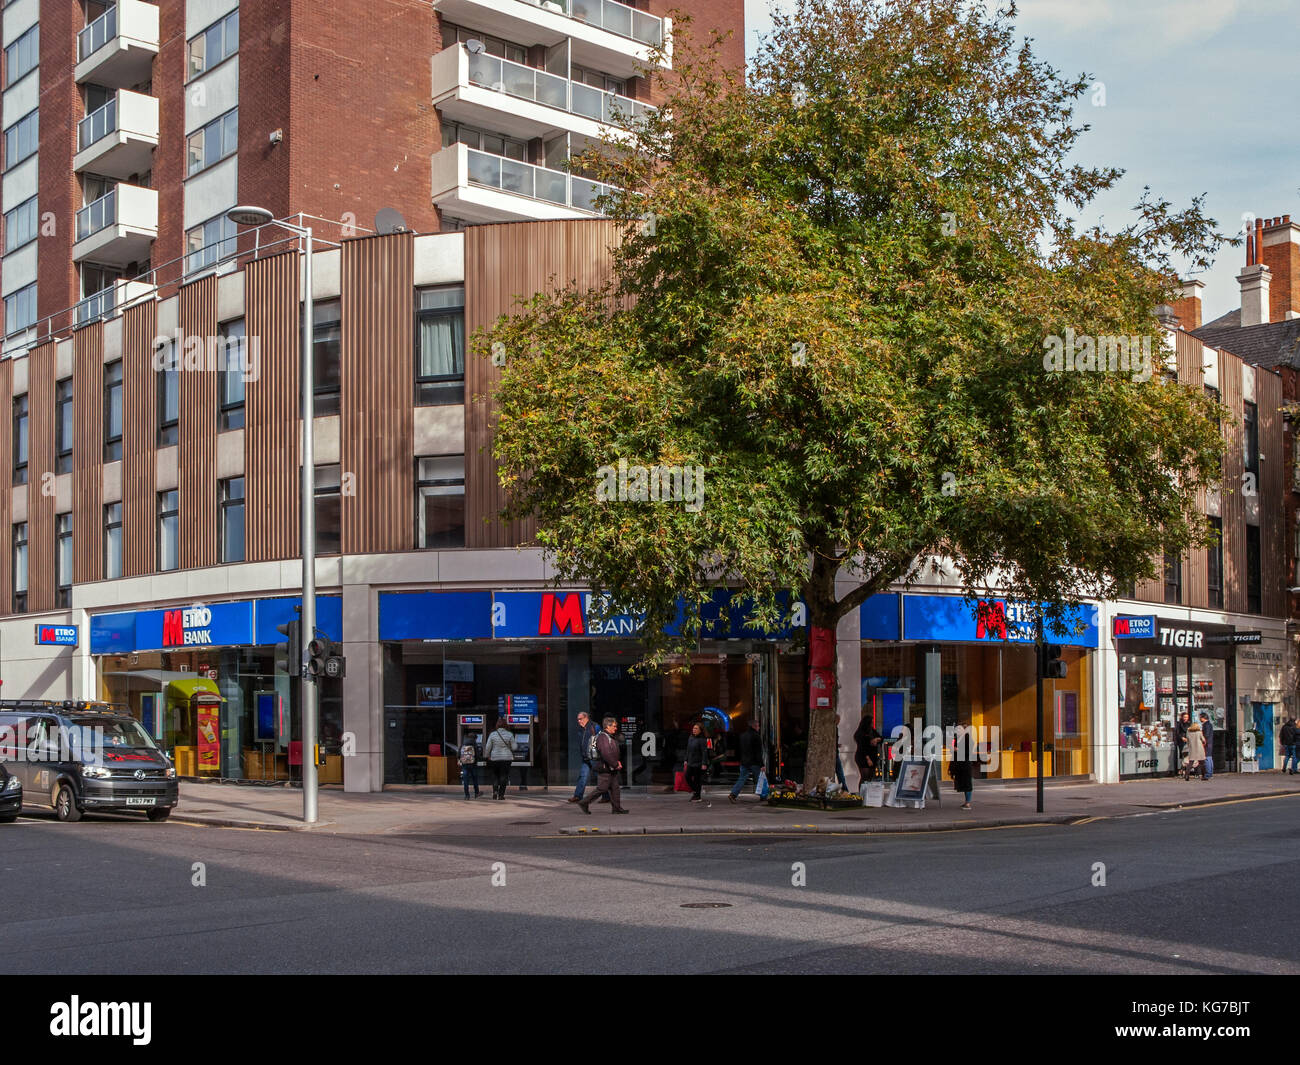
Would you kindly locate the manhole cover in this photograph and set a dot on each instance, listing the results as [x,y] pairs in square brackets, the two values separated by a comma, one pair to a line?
[705,905]
[528,822]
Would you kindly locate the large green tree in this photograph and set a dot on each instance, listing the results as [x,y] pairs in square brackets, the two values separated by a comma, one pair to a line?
[843,291]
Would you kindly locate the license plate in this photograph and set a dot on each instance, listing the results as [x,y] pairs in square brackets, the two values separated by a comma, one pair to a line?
[141,802]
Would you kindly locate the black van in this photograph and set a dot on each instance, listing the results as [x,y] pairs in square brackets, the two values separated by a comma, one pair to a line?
[76,761]
[11,796]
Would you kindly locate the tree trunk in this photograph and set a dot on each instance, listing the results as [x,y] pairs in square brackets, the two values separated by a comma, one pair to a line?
[823,672]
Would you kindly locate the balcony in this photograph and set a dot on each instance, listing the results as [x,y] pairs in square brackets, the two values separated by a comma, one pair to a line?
[524,102]
[481,187]
[118,48]
[107,302]
[603,34]
[118,228]
[118,139]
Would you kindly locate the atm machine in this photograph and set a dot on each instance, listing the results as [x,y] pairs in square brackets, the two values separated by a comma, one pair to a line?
[520,714]
[470,728]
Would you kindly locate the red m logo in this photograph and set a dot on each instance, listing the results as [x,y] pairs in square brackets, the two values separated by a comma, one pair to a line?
[990,620]
[173,629]
[563,613]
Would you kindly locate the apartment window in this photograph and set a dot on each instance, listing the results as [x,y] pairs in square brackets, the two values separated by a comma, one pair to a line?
[20,567]
[63,560]
[169,553]
[22,139]
[230,386]
[22,56]
[1214,564]
[20,309]
[492,143]
[440,501]
[600,81]
[1254,578]
[454,35]
[213,142]
[20,225]
[207,243]
[231,497]
[214,45]
[1173,578]
[329,510]
[168,381]
[113,411]
[20,439]
[63,426]
[1250,429]
[327,352]
[440,346]
[112,541]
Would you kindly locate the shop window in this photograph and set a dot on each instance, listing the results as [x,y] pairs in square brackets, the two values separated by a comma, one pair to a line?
[20,568]
[1173,578]
[113,411]
[329,510]
[230,386]
[63,426]
[169,394]
[440,346]
[168,530]
[20,439]
[327,352]
[112,541]
[63,560]
[232,520]
[1214,565]
[440,501]
[1254,582]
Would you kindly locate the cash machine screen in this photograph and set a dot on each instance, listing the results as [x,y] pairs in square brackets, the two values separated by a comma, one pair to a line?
[523,754]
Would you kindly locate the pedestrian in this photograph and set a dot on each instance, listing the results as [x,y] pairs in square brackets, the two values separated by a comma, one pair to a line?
[587,771]
[697,756]
[1207,730]
[469,767]
[1180,737]
[1289,742]
[839,766]
[499,751]
[608,766]
[1195,751]
[866,752]
[962,769]
[751,757]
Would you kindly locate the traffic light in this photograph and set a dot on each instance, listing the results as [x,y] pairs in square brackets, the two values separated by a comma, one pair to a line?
[1050,666]
[292,631]
[317,651]
[325,658]
[335,664]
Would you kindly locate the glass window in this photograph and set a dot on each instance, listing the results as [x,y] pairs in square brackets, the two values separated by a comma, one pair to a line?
[214,45]
[168,380]
[20,567]
[20,225]
[63,425]
[1250,429]
[440,346]
[208,243]
[112,541]
[168,530]
[22,56]
[230,387]
[20,439]
[211,143]
[1173,578]
[329,510]
[232,520]
[1254,581]
[63,560]
[440,501]
[22,138]
[327,351]
[1214,564]
[20,309]
[113,411]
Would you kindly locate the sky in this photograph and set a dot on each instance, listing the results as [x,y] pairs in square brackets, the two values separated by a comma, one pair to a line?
[1201,96]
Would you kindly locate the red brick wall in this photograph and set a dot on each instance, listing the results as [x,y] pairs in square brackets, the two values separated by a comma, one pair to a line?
[169,157]
[1188,310]
[708,15]
[60,103]
[1283,262]
[264,106]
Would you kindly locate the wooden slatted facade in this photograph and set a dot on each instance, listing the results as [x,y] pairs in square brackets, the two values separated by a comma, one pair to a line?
[377,429]
[139,440]
[502,263]
[272,434]
[199,510]
[6,496]
[1268,394]
[41,498]
[88,454]
[1233,507]
[1196,575]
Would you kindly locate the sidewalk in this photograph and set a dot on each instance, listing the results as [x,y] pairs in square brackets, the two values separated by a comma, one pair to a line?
[542,813]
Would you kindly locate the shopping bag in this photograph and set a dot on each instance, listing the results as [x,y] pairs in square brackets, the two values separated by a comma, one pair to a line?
[873,794]
[679,781]
[761,788]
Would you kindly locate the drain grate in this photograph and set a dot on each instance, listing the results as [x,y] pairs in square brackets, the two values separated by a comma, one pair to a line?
[705,905]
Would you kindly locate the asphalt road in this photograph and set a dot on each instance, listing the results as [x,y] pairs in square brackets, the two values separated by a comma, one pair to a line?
[1189,891]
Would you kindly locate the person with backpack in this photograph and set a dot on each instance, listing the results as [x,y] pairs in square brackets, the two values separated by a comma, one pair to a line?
[1289,740]
[590,759]
[751,757]
[499,752]
[607,782]
[469,767]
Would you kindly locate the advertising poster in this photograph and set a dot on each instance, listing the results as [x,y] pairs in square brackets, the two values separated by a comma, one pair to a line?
[209,748]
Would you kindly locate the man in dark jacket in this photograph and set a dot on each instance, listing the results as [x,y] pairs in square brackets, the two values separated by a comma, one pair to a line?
[1207,729]
[751,757]
[1290,763]
[1180,739]
[589,768]
[607,782]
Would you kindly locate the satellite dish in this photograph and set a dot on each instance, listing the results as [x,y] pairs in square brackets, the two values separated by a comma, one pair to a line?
[389,220]
[474,46]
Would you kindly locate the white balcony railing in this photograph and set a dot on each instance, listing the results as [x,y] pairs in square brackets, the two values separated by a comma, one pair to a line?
[97,34]
[529,83]
[535,182]
[613,17]
[104,304]
[97,215]
[118,48]
[97,125]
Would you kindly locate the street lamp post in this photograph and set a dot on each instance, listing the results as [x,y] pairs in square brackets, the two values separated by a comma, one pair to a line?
[259,216]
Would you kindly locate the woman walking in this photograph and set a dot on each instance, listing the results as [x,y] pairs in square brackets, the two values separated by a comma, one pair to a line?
[1195,751]
[697,757]
[499,752]
[962,770]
